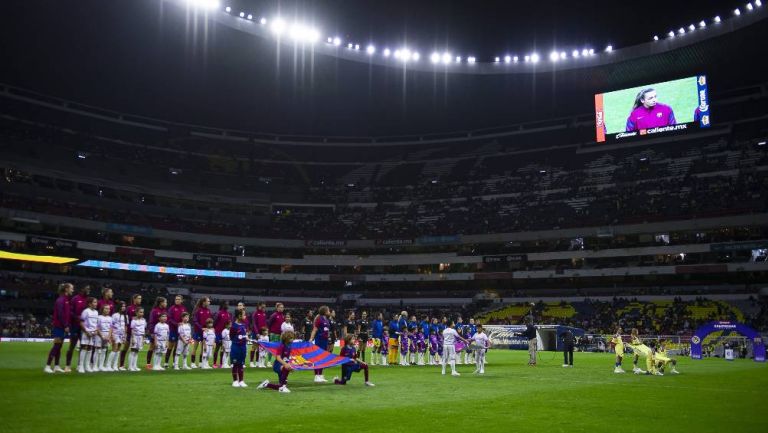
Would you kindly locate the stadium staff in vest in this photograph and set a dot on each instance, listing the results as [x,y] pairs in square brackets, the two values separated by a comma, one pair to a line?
[568,342]
[530,334]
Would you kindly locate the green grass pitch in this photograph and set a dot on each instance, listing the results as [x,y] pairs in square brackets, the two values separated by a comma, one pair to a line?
[708,396]
[681,95]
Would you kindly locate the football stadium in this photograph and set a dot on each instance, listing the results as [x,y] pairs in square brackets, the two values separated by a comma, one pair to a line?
[383,216]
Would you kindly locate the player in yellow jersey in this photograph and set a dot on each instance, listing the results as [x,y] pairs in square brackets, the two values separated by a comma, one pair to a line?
[640,348]
[618,346]
[662,359]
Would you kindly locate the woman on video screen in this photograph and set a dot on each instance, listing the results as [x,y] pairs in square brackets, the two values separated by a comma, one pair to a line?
[647,112]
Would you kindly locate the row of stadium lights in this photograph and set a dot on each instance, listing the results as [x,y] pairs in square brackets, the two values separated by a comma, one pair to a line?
[703,24]
[302,33]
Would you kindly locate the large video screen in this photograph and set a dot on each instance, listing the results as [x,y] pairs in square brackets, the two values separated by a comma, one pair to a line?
[653,109]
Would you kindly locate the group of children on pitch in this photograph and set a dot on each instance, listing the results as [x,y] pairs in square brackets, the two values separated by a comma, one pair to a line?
[418,342]
[656,357]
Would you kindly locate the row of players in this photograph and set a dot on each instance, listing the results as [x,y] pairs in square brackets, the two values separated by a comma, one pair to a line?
[100,324]
[656,356]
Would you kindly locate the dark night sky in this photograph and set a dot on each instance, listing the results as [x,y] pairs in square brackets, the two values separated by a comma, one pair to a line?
[139,56]
[491,27]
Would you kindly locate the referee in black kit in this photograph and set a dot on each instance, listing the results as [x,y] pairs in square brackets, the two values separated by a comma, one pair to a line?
[568,340]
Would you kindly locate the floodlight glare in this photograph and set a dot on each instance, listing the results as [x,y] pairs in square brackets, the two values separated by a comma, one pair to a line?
[278,26]
[207,4]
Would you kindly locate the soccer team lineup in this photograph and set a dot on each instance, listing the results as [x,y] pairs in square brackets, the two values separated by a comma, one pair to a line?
[108,336]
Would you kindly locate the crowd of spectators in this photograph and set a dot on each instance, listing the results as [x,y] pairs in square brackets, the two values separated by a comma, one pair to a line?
[678,317]
[518,204]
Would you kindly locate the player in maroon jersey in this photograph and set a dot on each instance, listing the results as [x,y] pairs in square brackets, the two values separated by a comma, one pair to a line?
[106,299]
[258,321]
[78,303]
[61,324]
[175,313]
[219,323]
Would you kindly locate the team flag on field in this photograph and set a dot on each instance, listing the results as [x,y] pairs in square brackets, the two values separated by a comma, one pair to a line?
[306,356]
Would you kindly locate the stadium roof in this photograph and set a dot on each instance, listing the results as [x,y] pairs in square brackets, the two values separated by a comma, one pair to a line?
[150,57]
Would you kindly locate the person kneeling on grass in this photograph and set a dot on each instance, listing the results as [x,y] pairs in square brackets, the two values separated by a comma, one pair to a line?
[354,365]
[662,359]
[281,365]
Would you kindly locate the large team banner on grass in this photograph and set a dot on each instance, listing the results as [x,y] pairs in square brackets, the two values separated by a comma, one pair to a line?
[306,356]
[652,109]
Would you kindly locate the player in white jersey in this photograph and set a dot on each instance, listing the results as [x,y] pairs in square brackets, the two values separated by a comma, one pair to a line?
[226,346]
[161,333]
[449,347]
[185,339]
[89,325]
[209,339]
[103,336]
[263,336]
[118,335]
[480,345]
[138,327]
